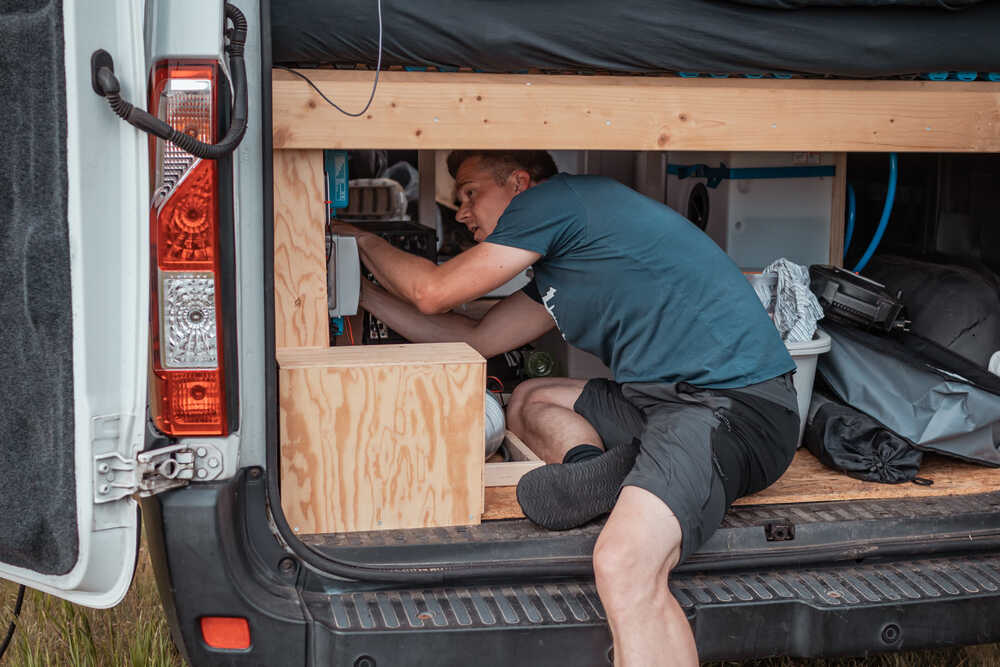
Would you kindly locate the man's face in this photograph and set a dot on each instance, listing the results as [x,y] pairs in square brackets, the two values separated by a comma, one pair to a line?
[482,200]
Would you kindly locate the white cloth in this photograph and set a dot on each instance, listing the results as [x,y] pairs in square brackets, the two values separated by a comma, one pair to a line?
[995,363]
[783,289]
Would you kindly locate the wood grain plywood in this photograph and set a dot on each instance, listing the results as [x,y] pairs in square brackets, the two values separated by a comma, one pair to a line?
[430,110]
[808,481]
[509,473]
[373,447]
[363,356]
[300,304]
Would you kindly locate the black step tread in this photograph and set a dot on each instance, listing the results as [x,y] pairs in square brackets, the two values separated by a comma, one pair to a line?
[577,603]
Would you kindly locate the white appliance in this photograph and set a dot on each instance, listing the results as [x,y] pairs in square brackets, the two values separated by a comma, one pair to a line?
[759,220]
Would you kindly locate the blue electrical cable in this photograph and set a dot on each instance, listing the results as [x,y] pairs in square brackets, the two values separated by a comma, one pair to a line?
[851,213]
[890,196]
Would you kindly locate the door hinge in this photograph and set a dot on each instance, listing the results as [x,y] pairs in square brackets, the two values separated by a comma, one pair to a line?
[154,471]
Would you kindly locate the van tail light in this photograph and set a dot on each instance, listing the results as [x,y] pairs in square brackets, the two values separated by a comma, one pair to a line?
[188,392]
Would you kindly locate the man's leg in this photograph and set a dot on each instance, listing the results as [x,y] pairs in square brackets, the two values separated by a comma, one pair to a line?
[541,413]
[555,416]
[639,546]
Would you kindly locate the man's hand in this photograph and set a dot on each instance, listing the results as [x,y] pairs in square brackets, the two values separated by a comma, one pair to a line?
[367,293]
[345,229]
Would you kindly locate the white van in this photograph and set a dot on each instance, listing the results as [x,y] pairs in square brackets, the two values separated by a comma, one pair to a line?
[138,293]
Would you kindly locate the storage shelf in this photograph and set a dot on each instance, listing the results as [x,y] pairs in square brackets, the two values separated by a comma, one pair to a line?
[431,110]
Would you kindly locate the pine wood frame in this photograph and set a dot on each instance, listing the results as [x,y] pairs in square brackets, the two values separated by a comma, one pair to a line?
[435,110]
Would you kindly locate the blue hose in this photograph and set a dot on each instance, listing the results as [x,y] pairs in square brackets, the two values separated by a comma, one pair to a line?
[851,213]
[890,196]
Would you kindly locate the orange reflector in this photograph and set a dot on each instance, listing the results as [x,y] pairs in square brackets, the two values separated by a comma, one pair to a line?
[225,632]
[188,402]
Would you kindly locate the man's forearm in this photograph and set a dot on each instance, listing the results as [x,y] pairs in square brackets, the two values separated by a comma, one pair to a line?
[396,270]
[414,325]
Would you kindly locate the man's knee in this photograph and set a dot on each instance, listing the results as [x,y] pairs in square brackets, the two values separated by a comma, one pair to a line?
[622,564]
[536,392]
[632,562]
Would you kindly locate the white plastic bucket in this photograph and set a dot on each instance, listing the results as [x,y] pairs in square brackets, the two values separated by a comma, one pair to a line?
[805,356]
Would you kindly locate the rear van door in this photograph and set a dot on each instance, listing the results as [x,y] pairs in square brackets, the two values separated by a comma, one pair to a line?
[74,295]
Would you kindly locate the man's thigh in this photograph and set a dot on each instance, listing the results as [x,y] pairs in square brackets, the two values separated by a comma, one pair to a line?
[677,465]
[562,392]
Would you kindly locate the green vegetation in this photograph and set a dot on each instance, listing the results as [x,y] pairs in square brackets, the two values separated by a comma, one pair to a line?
[54,632]
[134,634]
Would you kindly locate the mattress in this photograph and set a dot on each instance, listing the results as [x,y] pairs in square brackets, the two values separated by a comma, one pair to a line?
[644,36]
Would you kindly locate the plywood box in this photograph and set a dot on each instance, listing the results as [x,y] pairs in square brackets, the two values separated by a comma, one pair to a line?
[382,436]
[509,473]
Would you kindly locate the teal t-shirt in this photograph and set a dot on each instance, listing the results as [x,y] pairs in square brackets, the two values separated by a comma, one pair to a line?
[635,283]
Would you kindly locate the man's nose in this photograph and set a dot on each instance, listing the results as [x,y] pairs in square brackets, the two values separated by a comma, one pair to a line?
[463,214]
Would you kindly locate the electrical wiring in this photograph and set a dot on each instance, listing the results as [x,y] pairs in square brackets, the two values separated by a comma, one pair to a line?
[13,621]
[378,68]
[350,329]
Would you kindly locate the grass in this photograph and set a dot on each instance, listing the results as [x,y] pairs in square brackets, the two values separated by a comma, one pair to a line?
[55,632]
[134,634]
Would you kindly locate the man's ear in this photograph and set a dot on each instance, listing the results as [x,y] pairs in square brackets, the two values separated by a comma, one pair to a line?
[522,180]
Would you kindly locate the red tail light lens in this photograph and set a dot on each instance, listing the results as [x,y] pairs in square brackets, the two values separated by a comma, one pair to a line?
[188,392]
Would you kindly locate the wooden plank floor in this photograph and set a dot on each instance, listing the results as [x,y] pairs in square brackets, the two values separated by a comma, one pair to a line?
[807,480]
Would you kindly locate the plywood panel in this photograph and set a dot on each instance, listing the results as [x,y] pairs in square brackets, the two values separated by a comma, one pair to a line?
[501,503]
[508,473]
[378,446]
[300,308]
[807,480]
[428,110]
[364,356]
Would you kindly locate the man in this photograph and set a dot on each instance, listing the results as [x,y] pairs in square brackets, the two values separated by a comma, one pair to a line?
[702,410]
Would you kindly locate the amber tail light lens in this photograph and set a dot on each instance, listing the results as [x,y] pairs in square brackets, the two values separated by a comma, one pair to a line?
[188,389]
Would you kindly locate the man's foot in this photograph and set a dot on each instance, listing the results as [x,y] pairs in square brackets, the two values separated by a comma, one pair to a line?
[560,496]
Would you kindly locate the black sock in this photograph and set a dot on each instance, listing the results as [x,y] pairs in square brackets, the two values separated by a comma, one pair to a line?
[582,453]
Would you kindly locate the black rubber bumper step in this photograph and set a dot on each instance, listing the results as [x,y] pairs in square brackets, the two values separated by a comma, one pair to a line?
[840,610]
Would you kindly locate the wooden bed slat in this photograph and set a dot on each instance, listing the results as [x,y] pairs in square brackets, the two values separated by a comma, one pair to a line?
[808,481]
[430,110]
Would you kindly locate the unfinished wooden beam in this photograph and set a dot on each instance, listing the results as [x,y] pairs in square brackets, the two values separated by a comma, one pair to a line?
[427,110]
[509,473]
[300,306]
[427,206]
[837,208]
[381,436]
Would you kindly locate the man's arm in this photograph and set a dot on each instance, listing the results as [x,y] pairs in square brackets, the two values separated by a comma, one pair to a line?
[436,288]
[516,320]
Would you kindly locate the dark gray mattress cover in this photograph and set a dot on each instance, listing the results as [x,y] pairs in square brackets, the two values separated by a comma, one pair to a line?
[640,36]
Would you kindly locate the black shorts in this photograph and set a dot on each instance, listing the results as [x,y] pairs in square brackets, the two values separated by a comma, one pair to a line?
[701,449]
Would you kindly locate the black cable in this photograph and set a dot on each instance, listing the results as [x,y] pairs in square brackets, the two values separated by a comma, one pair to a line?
[13,621]
[110,88]
[378,68]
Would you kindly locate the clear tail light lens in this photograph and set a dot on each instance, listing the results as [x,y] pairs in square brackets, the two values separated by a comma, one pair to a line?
[188,392]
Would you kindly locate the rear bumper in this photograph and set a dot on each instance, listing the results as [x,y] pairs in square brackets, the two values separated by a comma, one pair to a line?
[215,555]
[848,610]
